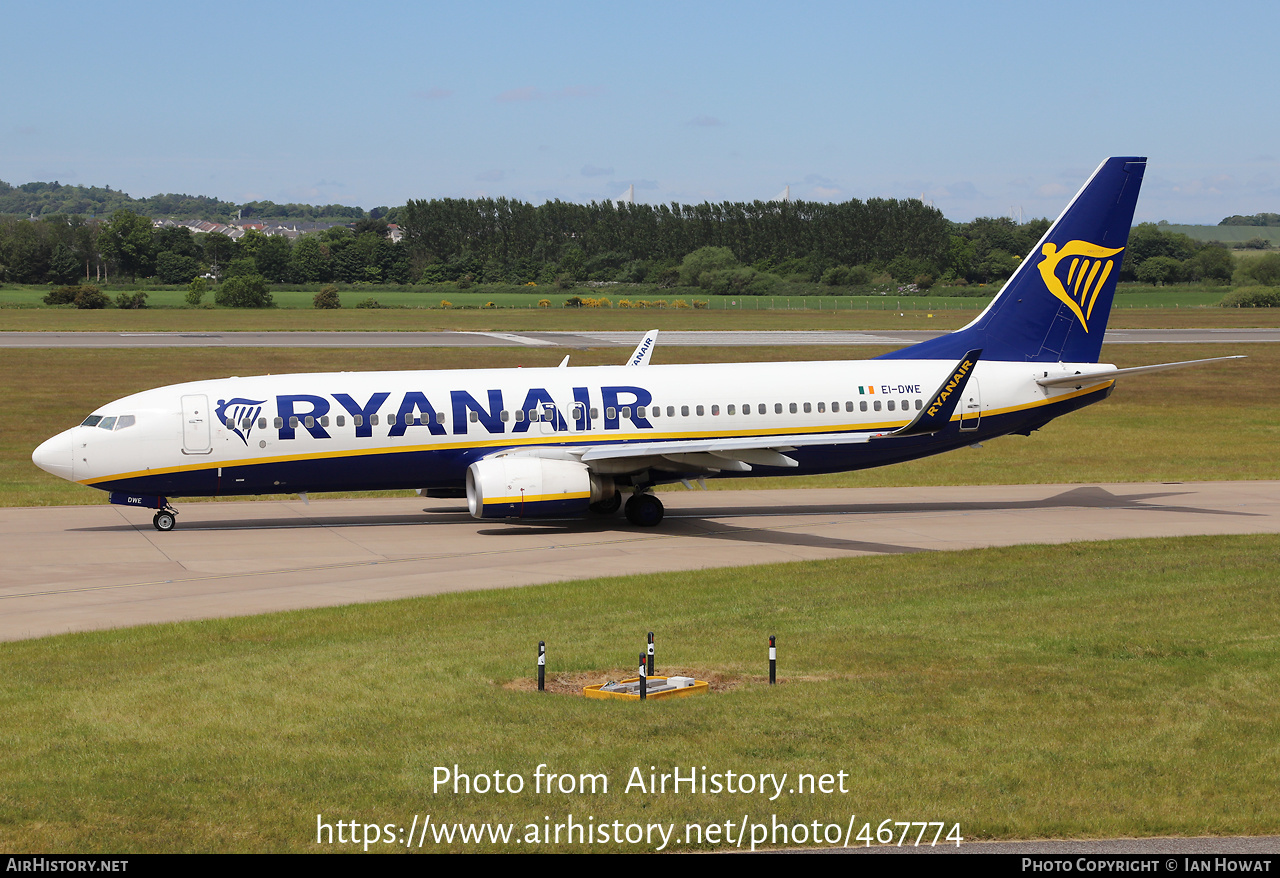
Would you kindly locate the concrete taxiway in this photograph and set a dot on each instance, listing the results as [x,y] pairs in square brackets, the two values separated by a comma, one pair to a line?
[571,340]
[92,567]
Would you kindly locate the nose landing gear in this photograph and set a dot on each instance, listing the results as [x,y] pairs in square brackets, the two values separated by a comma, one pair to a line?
[165,520]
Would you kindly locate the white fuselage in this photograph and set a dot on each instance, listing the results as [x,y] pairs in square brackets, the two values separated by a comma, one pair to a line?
[377,430]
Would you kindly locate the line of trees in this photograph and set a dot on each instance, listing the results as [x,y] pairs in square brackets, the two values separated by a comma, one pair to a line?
[63,249]
[505,239]
[741,246]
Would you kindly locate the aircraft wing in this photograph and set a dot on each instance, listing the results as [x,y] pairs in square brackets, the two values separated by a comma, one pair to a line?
[763,450]
[640,357]
[738,453]
[1079,379]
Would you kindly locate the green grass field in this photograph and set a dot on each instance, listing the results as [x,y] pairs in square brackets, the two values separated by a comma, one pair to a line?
[1086,690]
[421,308]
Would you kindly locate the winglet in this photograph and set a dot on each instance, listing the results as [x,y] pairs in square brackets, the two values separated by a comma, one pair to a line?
[640,357]
[936,415]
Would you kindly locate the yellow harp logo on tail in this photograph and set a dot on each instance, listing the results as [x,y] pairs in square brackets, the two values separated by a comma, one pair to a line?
[1088,267]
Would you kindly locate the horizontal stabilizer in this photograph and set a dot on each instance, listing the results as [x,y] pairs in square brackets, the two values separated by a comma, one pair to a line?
[1079,379]
[937,414]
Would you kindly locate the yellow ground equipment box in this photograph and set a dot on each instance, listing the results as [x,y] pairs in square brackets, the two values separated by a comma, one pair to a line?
[655,687]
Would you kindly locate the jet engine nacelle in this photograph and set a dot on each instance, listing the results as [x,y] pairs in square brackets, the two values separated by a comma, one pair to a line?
[527,487]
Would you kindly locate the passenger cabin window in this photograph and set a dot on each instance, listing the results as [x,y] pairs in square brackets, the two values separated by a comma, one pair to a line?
[792,408]
[876,405]
[310,422]
[341,421]
[822,407]
[475,418]
[684,411]
[671,411]
[611,413]
[807,408]
[279,422]
[862,405]
[777,408]
[520,416]
[715,410]
[731,410]
[293,422]
[701,411]
[762,408]
[626,412]
[373,420]
[890,405]
[357,420]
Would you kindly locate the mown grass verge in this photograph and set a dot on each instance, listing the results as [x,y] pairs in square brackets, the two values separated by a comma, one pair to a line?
[1084,690]
[409,308]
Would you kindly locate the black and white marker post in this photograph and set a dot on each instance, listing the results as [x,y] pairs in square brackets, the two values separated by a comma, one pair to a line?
[650,653]
[773,660]
[542,666]
[643,679]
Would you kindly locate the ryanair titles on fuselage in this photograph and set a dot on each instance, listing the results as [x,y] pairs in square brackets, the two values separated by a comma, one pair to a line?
[416,409]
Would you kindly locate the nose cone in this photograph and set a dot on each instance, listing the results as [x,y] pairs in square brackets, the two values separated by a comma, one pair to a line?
[55,455]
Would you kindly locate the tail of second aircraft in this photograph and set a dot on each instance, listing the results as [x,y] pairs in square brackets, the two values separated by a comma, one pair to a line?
[1055,306]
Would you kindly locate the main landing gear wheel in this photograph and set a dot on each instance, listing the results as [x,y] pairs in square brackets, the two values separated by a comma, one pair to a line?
[164,520]
[607,507]
[644,510]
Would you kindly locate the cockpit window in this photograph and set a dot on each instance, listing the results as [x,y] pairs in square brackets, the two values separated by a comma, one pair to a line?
[125,421]
[91,421]
[107,424]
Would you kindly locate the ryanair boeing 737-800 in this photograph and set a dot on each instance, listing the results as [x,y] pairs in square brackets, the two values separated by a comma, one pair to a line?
[520,443]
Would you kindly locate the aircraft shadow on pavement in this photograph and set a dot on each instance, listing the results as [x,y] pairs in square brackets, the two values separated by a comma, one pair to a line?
[1088,497]
[710,522]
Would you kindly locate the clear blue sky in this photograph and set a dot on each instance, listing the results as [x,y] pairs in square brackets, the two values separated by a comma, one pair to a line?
[983,108]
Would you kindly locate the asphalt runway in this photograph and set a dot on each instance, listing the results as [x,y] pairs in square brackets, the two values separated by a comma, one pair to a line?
[570,340]
[80,568]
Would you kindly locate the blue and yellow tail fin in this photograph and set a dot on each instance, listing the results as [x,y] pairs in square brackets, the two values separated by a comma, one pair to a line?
[1055,306]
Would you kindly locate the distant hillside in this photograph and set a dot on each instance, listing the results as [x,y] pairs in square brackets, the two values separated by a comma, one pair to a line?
[44,199]
[1226,234]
